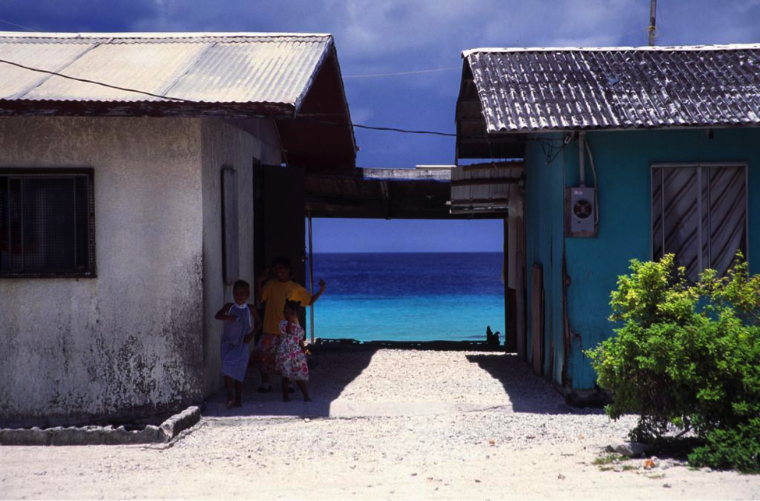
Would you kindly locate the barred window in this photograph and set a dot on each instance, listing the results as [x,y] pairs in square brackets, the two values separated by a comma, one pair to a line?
[699,213]
[47,226]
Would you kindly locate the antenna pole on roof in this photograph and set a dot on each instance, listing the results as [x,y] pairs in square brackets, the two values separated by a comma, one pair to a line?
[652,21]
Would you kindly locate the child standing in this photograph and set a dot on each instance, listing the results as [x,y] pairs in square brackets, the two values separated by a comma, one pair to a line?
[238,333]
[290,359]
[274,293]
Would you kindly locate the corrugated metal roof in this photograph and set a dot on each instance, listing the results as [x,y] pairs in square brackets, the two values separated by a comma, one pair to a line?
[523,90]
[201,67]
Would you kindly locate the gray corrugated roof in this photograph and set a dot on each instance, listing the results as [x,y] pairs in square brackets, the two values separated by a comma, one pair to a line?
[202,67]
[524,90]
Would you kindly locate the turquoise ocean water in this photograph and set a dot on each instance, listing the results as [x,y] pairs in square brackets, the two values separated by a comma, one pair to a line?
[409,296]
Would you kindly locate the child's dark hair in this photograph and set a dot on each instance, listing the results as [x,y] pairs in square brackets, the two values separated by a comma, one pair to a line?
[241,284]
[293,305]
[282,260]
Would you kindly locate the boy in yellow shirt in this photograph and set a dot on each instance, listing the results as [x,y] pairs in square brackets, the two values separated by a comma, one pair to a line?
[275,293]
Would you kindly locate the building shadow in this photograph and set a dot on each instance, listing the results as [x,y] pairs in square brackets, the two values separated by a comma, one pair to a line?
[337,365]
[332,368]
[527,392]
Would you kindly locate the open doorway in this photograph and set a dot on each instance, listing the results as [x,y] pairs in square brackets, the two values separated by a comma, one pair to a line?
[409,280]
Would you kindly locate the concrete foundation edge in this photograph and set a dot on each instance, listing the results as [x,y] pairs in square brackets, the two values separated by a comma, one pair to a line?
[103,435]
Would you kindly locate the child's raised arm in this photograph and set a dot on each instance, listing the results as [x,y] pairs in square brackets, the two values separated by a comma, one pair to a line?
[322,286]
[222,314]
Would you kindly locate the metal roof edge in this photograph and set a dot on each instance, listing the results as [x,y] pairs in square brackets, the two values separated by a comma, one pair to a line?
[148,35]
[405,174]
[167,99]
[317,68]
[661,48]
[345,97]
[505,132]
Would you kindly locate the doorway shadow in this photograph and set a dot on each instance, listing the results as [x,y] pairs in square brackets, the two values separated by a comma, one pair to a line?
[334,368]
[527,392]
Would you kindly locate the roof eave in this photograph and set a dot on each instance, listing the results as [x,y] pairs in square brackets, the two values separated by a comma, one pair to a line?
[646,48]
[144,108]
[504,132]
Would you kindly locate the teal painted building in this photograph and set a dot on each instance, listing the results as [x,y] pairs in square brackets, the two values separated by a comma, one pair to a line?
[671,139]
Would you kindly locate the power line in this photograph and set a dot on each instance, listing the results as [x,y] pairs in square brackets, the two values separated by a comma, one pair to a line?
[406,131]
[95,82]
[182,100]
[17,25]
[417,72]
[189,101]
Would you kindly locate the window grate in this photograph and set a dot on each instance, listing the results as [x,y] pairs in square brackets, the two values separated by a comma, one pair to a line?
[699,213]
[47,226]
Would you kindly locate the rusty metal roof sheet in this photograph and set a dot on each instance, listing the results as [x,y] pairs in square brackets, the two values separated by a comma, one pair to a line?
[523,90]
[199,67]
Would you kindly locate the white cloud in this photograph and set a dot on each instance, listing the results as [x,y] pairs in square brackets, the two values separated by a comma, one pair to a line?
[377,36]
[361,114]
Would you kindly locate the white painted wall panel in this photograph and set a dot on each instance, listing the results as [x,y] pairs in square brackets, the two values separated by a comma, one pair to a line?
[225,145]
[128,341]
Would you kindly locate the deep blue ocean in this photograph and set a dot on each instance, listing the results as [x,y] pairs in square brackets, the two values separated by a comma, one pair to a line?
[409,296]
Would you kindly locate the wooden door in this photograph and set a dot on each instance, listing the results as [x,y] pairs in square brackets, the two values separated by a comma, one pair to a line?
[283,220]
[521,291]
[537,317]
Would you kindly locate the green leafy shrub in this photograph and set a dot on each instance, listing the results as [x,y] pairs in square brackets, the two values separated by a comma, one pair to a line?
[687,358]
[732,448]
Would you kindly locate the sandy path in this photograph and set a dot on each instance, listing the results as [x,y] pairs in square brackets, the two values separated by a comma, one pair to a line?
[389,424]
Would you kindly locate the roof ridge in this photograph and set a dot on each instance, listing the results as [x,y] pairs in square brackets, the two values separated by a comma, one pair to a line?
[158,35]
[656,48]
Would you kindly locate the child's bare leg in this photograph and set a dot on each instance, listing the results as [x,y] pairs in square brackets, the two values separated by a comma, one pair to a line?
[228,386]
[285,396]
[238,393]
[265,387]
[302,387]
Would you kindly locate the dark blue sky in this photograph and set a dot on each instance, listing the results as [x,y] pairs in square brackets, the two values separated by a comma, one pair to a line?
[377,37]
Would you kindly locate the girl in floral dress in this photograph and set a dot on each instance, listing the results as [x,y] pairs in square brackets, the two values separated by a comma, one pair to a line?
[290,359]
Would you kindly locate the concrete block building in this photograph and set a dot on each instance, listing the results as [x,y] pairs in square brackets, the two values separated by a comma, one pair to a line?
[131,168]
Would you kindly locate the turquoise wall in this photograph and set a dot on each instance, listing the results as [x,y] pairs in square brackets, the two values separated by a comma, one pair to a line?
[544,188]
[622,161]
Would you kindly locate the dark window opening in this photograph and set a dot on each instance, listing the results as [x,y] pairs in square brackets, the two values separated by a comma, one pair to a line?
[47,226]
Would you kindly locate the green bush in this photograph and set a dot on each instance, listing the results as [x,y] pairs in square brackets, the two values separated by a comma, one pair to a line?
[732,448]
[687,358]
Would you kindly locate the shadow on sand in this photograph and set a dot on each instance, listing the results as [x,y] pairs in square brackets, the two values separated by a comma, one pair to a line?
[327,382]
[337,365]
[527,392]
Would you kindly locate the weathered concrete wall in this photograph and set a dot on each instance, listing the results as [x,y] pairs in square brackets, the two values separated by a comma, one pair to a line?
[129,341]
[225,145]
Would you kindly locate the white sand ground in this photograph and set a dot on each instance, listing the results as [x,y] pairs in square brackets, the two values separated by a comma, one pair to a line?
[385,424]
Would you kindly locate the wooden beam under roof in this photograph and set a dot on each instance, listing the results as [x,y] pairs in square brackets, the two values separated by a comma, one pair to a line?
[383,194]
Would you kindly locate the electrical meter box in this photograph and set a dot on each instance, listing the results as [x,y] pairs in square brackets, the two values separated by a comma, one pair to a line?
[581,211]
